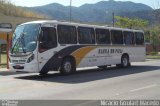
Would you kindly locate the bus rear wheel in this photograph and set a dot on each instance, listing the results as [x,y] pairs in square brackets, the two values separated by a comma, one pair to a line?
[125,61]
[68,66]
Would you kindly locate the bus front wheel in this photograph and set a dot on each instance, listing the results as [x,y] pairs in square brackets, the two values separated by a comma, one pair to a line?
[68,66]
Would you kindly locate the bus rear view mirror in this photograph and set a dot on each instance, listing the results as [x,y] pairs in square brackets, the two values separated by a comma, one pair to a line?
[5,27]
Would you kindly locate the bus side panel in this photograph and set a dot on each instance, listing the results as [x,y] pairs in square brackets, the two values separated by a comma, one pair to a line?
[111,55]
[87,56]
[137,54]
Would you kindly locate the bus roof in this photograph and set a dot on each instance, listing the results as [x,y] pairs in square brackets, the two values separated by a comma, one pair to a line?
[78,24]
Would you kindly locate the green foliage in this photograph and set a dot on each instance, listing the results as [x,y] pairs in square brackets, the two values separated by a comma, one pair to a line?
[7,8]
[155,36]
[126,22]
[154,53]
[152,35]
[147,35]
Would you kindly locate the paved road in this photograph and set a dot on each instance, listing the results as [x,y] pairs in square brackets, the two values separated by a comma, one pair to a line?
[141,81]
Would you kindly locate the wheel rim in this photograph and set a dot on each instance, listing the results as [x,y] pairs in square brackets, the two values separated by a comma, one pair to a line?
[67,67]
[125,61]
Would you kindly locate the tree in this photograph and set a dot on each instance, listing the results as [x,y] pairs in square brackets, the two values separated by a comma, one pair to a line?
[155,36]
[126,22]
[147,35]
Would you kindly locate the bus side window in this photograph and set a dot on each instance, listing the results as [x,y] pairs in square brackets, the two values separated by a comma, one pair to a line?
[67,34]
[139,38]
[128,38]
[48,38]
[102,36]
[86,35]
[117,37]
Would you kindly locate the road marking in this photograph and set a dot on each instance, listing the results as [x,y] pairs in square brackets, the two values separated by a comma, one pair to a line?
[142,88]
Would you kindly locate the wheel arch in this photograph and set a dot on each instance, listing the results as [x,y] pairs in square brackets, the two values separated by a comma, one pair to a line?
[125,54]
[69,57]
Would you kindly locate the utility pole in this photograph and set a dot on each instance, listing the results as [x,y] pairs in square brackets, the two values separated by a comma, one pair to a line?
[113,18]
[70,11]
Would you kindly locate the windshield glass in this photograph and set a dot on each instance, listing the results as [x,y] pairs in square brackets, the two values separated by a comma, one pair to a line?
[25,38]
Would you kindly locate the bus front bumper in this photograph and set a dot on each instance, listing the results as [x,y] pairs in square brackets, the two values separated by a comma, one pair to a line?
[27,67]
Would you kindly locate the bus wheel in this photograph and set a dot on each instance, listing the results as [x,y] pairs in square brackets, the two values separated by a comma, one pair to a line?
[125,61]
[68,66]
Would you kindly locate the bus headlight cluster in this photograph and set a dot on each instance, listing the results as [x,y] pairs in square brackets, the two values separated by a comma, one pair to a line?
[30,58]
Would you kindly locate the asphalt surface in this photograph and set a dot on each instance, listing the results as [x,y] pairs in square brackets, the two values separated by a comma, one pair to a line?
[141,81]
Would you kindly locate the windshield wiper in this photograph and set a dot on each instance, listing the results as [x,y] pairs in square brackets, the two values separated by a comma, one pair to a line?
[23,44]
[17,42]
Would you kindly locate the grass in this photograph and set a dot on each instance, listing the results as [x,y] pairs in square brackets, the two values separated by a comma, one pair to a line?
[3,60]
[153,56]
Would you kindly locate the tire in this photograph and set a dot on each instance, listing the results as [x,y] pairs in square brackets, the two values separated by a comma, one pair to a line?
[102,67]
[125,61]
[68,66]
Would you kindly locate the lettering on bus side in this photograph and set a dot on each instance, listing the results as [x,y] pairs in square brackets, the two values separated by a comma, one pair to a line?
[110,51]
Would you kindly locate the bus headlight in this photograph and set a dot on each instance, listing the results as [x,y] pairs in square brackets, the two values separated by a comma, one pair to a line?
[30,58]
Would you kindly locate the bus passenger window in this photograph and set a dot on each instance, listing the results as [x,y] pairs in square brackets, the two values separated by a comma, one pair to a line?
[102,36]
[128,38]
[117,37]
[86,35]
[139,38]
[67,34]
[48,38]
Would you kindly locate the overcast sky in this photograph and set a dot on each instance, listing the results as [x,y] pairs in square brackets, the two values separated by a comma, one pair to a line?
[31,3]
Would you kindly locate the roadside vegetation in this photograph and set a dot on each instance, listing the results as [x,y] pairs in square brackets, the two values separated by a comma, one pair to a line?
[153,56]
[152,32]
[3,60]
[9,9]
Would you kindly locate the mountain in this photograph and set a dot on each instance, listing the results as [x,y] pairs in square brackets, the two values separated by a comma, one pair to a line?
[100,12]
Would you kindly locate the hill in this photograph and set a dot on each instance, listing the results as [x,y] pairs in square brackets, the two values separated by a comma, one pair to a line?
[9,13]
[100,12]
[14,20]
[7,8]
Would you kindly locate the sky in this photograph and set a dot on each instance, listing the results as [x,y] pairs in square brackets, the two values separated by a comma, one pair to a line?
[31,3]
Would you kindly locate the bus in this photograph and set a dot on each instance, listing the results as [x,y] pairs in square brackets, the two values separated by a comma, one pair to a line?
[48,45]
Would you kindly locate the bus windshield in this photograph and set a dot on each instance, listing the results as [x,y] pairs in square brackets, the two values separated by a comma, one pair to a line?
[25,38]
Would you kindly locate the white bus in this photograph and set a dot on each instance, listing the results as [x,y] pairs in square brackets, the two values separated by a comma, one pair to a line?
[43,46]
